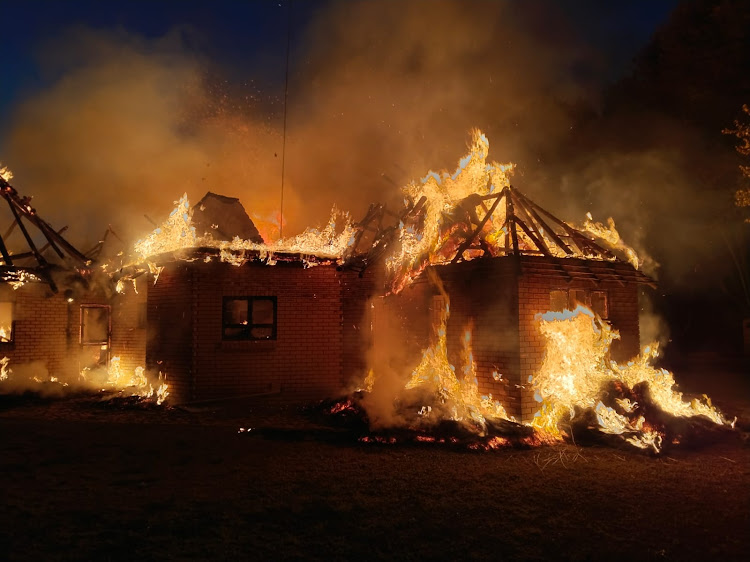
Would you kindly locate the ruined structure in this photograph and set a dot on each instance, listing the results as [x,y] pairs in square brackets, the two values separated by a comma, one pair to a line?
[497,288]
[58,315]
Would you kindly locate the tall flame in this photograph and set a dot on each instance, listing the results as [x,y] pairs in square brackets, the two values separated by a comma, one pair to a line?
[576,368]
[444,193]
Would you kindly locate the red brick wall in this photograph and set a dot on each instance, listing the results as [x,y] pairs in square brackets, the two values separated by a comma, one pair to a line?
[129,325]
[306,361]
[484,295]
[47,328]
[169,335]
[501,305]
[41,329]
[534,298]
[357,293]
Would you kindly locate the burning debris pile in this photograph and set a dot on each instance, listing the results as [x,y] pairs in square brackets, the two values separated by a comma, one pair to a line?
[635,401]
[580,389]
[110,380]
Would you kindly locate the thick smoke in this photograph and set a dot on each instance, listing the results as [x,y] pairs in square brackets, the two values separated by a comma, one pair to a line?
[126,129]
[378,94]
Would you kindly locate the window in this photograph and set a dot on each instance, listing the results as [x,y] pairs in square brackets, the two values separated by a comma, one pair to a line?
[577,297]
[558,300]
[6,322]
[93,336]
[561,299]
[249,318]
[599,303]
[94,325]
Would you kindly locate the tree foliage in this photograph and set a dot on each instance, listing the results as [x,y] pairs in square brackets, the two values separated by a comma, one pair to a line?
[742,131]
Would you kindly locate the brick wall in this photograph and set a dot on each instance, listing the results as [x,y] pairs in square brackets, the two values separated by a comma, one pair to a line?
[304,362]
[129,325]
[484,295]
[169,334]
[500,303]
[41,329]
[357,293]
[47,329]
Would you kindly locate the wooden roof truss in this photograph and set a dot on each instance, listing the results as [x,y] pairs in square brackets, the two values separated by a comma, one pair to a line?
[33,259]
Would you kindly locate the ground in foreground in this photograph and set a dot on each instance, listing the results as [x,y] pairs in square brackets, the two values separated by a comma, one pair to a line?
[82,481]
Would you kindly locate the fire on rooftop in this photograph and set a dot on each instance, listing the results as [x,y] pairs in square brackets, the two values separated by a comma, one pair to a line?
[471,305]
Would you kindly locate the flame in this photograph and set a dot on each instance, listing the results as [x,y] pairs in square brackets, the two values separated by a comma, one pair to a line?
[5,370]
[5,173]
[136,382]
[18,278]
[453,204]
[459,397]
[178,233]
[610,235]
[576,369]
[444,193]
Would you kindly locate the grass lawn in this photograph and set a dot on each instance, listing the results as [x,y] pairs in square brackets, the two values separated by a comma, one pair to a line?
[79,480]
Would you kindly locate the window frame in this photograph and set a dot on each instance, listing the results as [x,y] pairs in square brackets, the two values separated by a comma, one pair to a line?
[569,292]
[246,333]
[82,325]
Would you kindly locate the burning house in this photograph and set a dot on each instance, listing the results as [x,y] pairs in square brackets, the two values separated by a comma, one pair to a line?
[59,319]
[480,304]
[497,289]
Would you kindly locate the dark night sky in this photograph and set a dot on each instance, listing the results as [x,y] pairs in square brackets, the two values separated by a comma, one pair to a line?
[247,40]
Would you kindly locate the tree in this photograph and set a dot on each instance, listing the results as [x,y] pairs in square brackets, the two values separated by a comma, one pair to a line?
[742,132]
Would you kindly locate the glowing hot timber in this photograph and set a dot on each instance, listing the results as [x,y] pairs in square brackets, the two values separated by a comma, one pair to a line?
[178,233]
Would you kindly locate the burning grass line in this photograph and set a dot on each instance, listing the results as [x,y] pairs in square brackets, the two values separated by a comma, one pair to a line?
[728,459]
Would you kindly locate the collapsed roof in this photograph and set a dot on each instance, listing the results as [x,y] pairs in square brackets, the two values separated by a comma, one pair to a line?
[35,261]
[521,228]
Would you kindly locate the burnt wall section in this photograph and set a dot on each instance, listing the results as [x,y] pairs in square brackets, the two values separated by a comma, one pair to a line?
[484,299]
[46,338]
[129,326]
[169,336]
[403,326]
[358,292]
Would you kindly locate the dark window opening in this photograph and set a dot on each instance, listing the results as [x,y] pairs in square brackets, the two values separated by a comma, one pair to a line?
[249,318]
[599,303]
[94,325]
[561,299]
[94,336]
[558,300]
